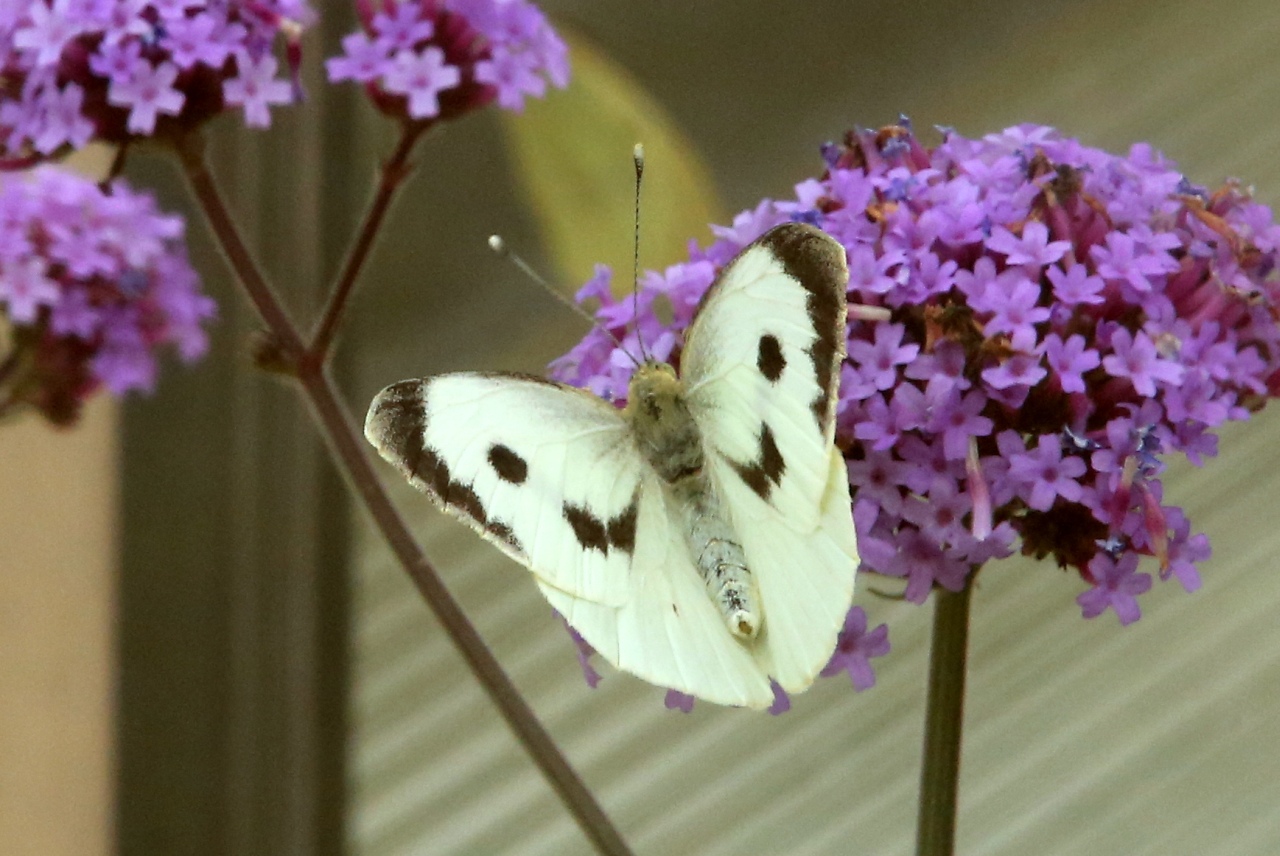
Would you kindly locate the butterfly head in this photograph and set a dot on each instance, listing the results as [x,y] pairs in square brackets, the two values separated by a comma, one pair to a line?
[655,391]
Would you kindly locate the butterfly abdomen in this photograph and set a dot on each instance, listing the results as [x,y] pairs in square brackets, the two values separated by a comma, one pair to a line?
[668,437]
[718,555]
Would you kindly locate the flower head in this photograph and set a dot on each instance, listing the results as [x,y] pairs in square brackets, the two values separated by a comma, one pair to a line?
[92,285]
[429,60]
[115,69]
[1061,321]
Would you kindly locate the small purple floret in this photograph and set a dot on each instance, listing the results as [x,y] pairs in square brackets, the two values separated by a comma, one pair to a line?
[854,649]
[1116,586]
[676,700]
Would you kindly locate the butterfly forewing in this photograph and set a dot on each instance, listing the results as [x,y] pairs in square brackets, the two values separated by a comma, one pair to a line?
[761,366]
[762,362]
[546,472]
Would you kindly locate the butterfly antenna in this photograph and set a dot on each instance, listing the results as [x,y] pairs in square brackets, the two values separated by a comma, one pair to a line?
[637,157]
[500,247]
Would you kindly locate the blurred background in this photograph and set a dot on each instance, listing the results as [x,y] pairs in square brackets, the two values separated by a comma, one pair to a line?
[203,650]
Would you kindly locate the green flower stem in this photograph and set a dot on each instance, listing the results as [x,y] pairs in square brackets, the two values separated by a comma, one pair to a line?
[348,452]
[943,723]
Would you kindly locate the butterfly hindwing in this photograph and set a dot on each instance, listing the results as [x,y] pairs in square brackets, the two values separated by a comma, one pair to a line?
[546,472]
[805,580]
[761,366]
[670,633]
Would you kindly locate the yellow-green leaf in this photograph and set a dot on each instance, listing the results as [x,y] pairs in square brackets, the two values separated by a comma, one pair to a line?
[572,153]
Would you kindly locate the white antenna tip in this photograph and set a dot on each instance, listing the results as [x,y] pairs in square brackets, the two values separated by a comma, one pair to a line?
[498,245]
[637,155]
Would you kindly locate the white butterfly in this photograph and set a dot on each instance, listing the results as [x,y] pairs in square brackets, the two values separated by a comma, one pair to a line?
[701,538]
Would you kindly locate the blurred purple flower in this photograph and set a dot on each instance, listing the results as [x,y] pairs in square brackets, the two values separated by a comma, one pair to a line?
[676,700]
[115,69]
[25,289]
[585,652]
[255,87]
[93,284]
[420,77]
[437,59]
[781,701]
[147,92]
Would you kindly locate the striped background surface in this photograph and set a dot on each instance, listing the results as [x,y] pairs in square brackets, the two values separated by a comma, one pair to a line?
[1083,737]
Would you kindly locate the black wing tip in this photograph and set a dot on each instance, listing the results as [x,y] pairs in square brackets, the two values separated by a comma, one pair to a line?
[809,254]
[794,230]
[817,261]
[396,420]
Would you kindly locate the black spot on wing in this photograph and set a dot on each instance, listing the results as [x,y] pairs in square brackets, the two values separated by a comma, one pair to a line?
[593,533]
[764,473]
[587,528]
[770,458]
[769,357]
[509,466]
[622,529]
[818,263]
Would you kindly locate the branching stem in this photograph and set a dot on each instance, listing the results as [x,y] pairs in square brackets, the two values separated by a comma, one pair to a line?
[349,455]
[394,171]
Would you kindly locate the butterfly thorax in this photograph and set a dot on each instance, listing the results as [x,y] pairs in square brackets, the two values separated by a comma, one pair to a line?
[668,436]
[665,430]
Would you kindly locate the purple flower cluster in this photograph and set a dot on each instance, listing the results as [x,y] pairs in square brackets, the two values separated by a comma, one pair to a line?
[92,283]
[76,70]
[1061,320]
[436,59]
